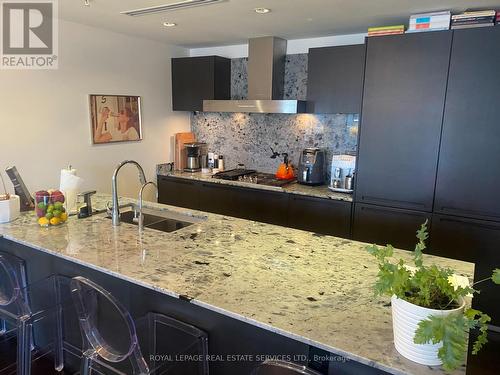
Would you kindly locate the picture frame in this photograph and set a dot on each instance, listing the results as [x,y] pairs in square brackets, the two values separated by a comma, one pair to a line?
[115,118]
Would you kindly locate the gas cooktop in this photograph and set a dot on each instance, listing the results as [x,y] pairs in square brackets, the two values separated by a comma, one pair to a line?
[253,177]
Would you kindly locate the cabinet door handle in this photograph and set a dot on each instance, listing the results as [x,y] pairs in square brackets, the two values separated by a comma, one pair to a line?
[179,181]
[392,211]
[471,223]
[382,200]
[470,212]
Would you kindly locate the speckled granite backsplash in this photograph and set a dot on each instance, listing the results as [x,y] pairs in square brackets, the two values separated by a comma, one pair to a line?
[248,138]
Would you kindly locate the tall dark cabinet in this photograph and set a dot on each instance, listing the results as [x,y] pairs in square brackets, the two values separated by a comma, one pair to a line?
[468,182]
[466,224]
[195,79]
[403,103]
[401,122]
[335,79]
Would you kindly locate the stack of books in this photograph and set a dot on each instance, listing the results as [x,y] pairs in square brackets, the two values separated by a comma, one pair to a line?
[386,30]
[469,19]
[430,22]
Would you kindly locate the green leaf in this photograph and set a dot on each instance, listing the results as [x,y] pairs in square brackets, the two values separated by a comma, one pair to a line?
[422,236]
[496,276]
[450,330]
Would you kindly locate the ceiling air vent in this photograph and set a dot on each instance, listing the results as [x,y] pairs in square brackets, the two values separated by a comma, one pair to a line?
[169,7]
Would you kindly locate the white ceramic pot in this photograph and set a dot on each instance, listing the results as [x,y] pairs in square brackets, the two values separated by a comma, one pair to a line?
[405,319]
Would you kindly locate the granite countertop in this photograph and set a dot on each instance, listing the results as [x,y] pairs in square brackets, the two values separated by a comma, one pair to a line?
[312,288]
[293,188]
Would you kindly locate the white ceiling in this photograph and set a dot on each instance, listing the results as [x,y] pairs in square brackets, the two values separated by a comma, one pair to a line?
[233,21]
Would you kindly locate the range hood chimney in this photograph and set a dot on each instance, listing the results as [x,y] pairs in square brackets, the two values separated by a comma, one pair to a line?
[266,82]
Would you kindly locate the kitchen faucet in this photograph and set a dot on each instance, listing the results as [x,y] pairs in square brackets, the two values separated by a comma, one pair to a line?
[141,215]
[115,215]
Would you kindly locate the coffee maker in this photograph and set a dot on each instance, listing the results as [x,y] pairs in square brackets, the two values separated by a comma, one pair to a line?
[343,173]
[195,156]
[312,167]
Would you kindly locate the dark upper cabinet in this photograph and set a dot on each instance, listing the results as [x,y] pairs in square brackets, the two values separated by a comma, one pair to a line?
[324,216]
[195,79]
[468,179]
[335,79]
[384,225]
[403,104]
[474,241]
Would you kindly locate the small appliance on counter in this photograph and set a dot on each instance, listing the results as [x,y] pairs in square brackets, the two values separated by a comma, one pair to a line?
[312,167]
[195,157]
[285,170]
[343,173]
[27,202]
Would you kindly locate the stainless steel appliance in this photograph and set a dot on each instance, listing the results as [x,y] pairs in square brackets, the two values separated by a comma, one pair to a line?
[266,82]
[343,173]
[251,176]
[195,156]
[312,167]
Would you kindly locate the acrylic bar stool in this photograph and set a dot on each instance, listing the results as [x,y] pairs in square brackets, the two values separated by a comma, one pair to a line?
[30,315]
[113,344]
[270,367]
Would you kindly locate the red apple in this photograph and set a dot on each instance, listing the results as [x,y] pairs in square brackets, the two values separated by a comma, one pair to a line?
[57,196]
[42,196]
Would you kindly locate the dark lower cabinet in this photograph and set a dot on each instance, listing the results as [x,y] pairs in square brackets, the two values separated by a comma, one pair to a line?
[218,199]
[178,192]
[476,241]
[319,215]
[264,206]
[486,362]
[383,225]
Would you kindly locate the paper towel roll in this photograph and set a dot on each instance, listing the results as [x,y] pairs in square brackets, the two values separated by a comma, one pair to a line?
[70,185]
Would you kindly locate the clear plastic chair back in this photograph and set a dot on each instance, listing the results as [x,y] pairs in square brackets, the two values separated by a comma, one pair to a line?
[107,326]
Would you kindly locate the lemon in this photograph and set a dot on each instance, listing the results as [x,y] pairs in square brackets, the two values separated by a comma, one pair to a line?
[55,221]
[43,221]
[64,216]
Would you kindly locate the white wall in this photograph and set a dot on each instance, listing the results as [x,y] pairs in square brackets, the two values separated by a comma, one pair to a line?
[293,46]
[44,115]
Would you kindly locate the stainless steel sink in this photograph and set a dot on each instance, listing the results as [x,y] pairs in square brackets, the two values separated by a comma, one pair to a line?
[164,221]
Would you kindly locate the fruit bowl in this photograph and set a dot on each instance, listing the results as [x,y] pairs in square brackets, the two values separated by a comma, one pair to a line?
[49,208]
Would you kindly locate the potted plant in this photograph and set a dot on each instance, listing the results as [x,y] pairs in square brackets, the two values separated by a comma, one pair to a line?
[430,319]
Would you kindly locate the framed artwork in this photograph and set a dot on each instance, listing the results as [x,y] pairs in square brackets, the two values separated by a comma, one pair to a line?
[115,118]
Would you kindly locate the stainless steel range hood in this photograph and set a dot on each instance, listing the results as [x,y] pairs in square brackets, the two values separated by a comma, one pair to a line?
[266,82]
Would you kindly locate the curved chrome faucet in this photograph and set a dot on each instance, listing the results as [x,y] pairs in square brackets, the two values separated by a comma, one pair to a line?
[141,216]
[115,215]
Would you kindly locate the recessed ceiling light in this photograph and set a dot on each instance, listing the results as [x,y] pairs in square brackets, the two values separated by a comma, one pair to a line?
[262,10]
[169,24]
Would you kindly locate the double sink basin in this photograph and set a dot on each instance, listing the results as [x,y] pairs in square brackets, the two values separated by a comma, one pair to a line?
[164,221]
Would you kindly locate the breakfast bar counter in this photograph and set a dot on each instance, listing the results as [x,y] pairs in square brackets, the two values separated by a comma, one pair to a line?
[311,288]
